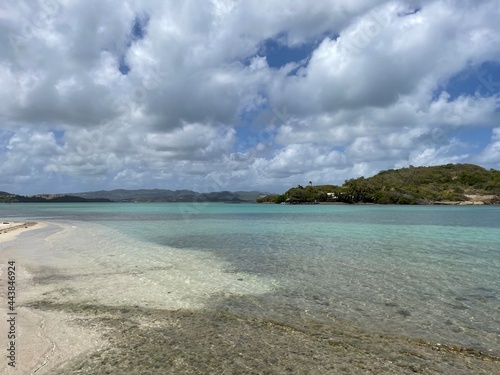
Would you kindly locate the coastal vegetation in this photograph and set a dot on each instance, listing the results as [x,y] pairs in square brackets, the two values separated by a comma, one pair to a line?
[451,183]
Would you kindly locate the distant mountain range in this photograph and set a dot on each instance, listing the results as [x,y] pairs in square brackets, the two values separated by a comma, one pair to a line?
[141,195]
[45,198]
[162,195]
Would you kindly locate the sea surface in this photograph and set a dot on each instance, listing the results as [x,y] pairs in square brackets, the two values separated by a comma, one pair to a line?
[425,272]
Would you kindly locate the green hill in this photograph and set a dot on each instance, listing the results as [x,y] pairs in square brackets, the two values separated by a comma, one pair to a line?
[451,183]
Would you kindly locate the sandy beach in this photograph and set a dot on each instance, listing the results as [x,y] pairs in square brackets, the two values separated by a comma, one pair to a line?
[76,314]
[44,340]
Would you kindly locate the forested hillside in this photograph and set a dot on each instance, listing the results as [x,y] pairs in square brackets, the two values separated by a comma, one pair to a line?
[413,185]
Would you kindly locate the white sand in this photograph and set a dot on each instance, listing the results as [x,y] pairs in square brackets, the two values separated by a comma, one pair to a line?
[9,230]
[44,340]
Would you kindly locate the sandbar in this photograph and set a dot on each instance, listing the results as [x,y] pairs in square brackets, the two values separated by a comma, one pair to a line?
[11,229]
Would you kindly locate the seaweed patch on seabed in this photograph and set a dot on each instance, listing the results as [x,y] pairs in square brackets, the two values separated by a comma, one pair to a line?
[223,339]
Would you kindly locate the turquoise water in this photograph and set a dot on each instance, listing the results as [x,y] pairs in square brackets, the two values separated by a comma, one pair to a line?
[430,272]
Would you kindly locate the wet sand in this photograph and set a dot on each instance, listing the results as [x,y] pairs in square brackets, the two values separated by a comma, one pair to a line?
[65,330]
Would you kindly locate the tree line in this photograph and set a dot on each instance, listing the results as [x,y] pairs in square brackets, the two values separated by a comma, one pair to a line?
[412,185]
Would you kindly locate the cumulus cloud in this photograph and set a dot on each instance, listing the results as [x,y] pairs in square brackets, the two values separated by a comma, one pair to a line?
[190,95]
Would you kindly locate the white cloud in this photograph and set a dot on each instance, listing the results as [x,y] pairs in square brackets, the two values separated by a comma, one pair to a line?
[372,94]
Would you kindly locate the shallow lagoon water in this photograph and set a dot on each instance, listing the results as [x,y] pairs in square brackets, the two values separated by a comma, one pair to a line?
[428,273]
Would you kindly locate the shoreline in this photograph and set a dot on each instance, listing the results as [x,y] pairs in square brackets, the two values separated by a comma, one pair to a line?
[437,203]
[434,203]
[43,341]
[64,331]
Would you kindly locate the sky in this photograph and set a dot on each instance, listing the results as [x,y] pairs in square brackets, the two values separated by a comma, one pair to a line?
[212,95]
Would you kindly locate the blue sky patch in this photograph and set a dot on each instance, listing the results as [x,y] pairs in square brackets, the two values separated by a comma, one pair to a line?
[250,136]
[59,136]
[475,138]
[483,80]
[139,27]
[279,54]
[138,31]
[122,65]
